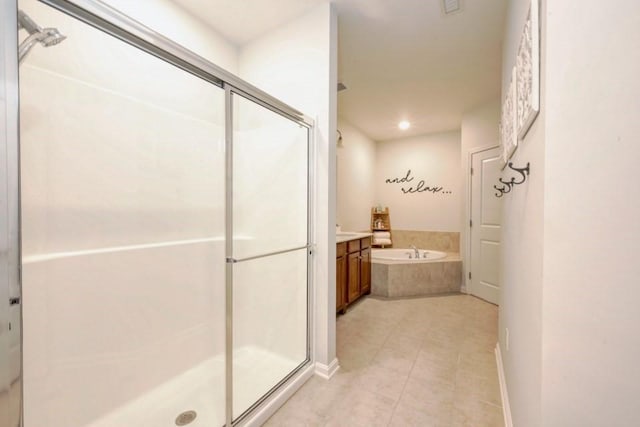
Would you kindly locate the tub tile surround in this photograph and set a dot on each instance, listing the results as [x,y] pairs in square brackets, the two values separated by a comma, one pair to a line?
[417,279]
[444,241]
[443,276]
[409,362]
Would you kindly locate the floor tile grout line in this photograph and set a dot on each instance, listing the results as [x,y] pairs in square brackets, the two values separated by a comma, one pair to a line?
[404,386]
[380,348]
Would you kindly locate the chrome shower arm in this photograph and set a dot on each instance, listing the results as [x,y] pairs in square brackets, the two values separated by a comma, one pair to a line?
[25,22]
[26,46]
[45,36]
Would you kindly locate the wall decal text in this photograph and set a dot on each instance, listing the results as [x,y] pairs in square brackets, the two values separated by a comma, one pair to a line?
[421,187]
[406,178]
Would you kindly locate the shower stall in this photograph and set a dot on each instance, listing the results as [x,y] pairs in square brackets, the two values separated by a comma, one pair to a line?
[165,237]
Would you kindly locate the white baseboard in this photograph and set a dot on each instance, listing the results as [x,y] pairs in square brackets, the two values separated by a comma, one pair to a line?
[264,412]
[327,371]
[506,409]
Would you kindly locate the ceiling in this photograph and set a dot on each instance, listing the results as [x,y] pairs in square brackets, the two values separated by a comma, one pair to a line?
[240,21]
[400,60]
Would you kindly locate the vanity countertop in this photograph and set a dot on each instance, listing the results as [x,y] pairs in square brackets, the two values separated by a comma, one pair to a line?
[345,236]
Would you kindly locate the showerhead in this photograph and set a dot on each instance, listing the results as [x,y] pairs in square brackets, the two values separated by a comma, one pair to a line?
[45,36]
[51,37]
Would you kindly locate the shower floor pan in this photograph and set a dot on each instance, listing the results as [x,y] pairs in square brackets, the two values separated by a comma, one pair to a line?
[201,389]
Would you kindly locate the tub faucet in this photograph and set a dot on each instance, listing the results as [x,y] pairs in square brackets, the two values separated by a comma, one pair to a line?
[415,250]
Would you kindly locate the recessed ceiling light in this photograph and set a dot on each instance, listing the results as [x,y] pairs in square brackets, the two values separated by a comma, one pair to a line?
[404,125]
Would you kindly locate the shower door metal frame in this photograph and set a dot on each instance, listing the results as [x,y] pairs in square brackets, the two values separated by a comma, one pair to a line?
[10,295]
[111,21]
[230,90]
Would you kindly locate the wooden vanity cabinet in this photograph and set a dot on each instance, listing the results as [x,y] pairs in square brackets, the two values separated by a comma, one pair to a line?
[341,277]
[353,277]
[353,271]
[365,271]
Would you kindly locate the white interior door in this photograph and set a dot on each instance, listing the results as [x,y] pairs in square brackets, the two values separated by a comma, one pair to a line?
[485,225]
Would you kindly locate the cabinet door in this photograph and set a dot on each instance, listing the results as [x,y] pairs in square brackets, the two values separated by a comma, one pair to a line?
[365,271]
[353,276]
[341,282]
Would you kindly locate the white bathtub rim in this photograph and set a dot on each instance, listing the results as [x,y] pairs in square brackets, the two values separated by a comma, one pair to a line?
[442,256]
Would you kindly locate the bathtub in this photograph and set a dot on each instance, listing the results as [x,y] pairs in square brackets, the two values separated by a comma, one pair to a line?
[394,274]
[406,255]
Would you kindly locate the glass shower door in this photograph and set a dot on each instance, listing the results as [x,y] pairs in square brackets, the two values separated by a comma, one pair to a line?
[269,249]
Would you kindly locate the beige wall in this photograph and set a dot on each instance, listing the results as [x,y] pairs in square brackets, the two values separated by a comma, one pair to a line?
[434,158]
[570,290]
[356,158]
[479,130]
[591,346]
[522,249]
[480,126]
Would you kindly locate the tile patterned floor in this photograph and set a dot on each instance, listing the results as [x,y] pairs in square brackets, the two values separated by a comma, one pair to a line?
[411,362]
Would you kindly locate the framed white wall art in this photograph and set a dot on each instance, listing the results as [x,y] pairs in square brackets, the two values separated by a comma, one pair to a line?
[528,71]
[508,122]
[503,151]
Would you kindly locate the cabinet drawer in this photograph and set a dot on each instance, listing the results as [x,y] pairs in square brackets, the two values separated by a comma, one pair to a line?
[353,245]
[341,249]
[365,243]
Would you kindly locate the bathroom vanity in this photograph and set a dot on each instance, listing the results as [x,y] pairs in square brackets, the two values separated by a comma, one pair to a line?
[353,268]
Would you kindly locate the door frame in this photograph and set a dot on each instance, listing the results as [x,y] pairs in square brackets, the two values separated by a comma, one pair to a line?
[467,212]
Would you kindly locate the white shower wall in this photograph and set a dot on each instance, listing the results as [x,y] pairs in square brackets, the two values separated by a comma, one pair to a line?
[270,180]
[270,205]
[168,18]
[102,330]
[123,226]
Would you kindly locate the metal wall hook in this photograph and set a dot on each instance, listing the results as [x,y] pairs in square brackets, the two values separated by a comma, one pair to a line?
[509,183]
[522,171]
[507,186]
[504,189]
